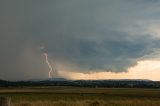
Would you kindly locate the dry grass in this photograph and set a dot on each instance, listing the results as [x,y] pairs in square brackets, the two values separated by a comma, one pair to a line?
[89,103]
[73,96]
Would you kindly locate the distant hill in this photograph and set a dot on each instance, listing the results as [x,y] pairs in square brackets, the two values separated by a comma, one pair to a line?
[49,79]
[1,81]
[121,83]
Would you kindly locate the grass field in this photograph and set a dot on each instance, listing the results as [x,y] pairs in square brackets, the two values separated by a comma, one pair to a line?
[74,96]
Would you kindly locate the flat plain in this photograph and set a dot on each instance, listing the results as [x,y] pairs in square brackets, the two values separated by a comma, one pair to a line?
[81,96]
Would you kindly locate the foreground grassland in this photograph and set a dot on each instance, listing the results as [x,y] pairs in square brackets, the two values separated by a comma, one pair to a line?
[74,96]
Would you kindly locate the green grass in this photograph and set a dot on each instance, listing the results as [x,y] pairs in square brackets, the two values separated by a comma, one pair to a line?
[63,96]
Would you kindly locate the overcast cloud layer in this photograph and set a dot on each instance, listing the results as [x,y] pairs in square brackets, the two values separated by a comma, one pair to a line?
[80,35]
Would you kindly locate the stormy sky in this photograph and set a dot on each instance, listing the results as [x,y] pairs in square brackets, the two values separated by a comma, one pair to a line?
[79,36]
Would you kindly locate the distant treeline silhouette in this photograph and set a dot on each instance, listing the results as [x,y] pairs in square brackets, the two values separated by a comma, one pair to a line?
[85,83]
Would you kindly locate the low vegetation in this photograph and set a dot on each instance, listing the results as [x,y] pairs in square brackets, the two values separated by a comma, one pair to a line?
[81,96]
[89,103]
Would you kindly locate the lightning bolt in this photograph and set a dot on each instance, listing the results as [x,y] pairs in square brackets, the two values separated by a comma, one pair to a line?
[49,65]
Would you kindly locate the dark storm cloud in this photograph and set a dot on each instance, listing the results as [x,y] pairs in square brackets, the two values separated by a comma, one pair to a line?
[88,34]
